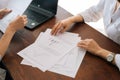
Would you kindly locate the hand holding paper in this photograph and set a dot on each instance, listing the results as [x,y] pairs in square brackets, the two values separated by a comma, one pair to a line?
[17,6]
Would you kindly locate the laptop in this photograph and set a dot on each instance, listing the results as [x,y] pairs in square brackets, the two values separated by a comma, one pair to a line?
[39,11]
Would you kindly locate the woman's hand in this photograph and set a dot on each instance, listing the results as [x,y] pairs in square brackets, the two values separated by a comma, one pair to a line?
[4,12]
[18,23]
[91,46]
[64,25]
[61,26]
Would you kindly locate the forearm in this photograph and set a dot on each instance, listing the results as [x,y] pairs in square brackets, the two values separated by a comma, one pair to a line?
[14,26]
[5,40]
[77,18]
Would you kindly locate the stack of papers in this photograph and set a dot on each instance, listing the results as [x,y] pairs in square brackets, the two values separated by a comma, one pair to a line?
[17,6]
[58,54]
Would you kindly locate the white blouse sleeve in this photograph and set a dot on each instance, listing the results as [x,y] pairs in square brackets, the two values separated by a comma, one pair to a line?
[94,13]
[117,60]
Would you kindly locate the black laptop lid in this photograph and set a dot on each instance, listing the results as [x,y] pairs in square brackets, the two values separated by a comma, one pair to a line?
[50,5]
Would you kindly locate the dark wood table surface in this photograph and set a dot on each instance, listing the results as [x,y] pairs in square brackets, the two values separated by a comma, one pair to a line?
[92,67]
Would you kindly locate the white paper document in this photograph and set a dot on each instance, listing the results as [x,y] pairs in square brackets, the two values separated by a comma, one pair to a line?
[50,51]
[17,6]
[58,54]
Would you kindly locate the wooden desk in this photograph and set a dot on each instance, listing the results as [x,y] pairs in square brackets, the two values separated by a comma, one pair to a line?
[92,67]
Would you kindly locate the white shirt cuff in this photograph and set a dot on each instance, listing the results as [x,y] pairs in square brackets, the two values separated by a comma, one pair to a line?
[117,60]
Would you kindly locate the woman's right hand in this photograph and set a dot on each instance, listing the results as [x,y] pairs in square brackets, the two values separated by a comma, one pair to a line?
[18,23]
[64,25]
[61,26]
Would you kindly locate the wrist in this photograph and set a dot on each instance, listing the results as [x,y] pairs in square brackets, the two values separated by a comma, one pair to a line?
[103,53]
[77,18]
[10,29]
[110,57]
[107,55]
[71,19]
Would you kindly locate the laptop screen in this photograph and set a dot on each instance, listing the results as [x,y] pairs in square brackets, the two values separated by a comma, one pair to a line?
[49,5]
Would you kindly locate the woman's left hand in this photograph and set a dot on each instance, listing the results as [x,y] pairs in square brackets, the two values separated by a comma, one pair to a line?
[4,12]
[90,45]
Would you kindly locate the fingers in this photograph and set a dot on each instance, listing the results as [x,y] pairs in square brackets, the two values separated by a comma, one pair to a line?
[63,29]
[57,28]
[54,28]
[5,11]
[85,43]
[23,18]
[82,44]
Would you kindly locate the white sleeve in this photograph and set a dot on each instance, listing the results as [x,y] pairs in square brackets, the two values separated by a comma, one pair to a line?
[94,13]
[117,60]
